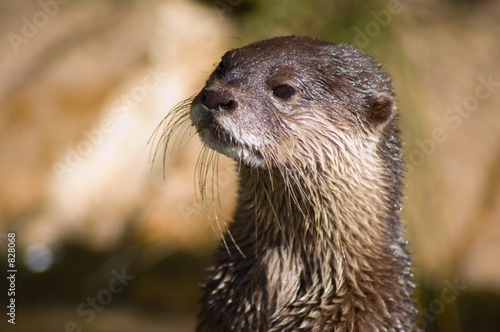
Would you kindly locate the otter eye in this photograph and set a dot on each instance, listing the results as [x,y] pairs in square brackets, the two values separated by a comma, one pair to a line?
[284,92]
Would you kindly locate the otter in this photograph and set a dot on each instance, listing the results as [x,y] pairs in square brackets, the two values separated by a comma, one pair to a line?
[315,242]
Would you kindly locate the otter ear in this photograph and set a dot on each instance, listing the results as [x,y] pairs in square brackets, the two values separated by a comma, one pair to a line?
[381,109]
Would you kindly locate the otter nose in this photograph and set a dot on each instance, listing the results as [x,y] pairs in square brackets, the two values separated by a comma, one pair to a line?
[218,101]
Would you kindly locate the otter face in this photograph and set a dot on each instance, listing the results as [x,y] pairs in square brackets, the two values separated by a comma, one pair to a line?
[273,102]
[239,112]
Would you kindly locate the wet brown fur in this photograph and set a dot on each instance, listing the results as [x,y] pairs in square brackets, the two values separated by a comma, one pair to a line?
[315,243]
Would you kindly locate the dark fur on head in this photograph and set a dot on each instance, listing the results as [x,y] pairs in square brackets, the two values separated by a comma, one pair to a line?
[316,239]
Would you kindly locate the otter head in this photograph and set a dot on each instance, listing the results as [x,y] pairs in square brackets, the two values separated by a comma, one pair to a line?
[292,101]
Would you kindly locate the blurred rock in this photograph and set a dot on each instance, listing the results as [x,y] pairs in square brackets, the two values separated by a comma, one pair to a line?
[83,98]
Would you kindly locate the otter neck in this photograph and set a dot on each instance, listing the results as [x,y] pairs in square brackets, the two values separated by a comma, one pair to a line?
[299,212]
[328,241]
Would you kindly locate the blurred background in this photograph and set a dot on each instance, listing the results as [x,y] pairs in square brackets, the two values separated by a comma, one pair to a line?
[107,240]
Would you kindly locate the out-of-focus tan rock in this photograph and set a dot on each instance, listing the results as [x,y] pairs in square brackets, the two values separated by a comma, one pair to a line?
[77,126]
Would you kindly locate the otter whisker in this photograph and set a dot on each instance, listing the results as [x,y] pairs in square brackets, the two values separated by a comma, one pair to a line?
[276,218]
[296,186]
[213,163]
[202,165]
[209,160]
[177,118]
[229,233]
